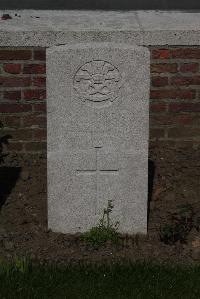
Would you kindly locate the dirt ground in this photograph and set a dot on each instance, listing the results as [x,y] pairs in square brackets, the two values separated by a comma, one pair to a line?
[23,216]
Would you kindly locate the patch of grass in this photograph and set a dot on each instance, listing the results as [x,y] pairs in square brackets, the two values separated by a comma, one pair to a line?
[100,235]
[105,231]
[116,281]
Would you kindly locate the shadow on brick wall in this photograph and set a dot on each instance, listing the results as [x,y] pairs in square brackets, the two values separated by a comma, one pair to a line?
[8,179]
[151,175]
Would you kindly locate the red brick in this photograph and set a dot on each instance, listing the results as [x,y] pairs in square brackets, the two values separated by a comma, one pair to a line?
[35,146]
[189,67]
[13,95]
[157,133]
[23,135]
[159,81]
[184,107]
[157,107]
[39,54]
[172,119]
[11,121]
[34,120]
[34,94]
[164,68]
[185,81]
[164,119]
[15,54]
[15,108]
[185,144]
[160,53]
[20,134]
[12,68]
[40,107]
[182,133]
[174,143]
[39,81]
[186,53]
[14,82]
[188,119]
[15,147]
[40,134]
[153,144]
[173,94]
[34,69]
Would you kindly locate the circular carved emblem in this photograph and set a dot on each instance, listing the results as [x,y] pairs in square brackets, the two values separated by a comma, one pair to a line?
[97,81]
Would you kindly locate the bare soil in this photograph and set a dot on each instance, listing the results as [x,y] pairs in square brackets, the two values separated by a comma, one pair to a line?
[174,178]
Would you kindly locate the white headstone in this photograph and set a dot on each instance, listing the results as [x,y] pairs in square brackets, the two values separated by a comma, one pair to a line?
[98,126]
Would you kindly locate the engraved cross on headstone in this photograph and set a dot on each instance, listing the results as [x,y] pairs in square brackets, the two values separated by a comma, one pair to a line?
[97,172]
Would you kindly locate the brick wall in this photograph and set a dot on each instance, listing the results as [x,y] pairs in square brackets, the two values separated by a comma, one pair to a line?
[175,96]
[23,97]
[174,103]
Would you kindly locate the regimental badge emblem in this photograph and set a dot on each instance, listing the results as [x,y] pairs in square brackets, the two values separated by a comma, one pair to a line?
[97,81]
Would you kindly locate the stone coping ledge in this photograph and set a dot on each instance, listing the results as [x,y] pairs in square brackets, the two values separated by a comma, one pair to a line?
[47,28]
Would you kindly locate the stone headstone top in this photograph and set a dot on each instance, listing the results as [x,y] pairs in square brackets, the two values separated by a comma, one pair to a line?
[48,28]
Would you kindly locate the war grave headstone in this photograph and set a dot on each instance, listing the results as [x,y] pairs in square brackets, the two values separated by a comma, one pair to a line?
[98,126]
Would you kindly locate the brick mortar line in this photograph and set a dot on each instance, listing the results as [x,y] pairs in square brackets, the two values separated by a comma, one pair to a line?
[195,99]
[22,126]
[23,48]
[174,75]
[21,75]
[186,75]
[167,46]
[181,139]
[18,129]
[22,101]
[174,114]
[23,62]
[178,87]
[177,126]
[173,101]
[29,113]
[18,88]
[174,60]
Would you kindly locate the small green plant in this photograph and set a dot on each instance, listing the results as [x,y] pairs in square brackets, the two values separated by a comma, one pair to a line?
[171,233]
[105,231]
[185,214]
[181,224]
[167,234]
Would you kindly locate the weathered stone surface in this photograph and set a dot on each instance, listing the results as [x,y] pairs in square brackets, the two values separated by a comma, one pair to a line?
[48,28]
[98,98]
